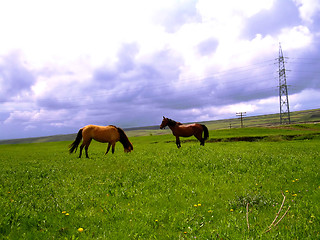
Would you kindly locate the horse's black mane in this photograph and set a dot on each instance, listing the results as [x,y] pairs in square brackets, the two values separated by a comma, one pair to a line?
[124,139]
[171,122]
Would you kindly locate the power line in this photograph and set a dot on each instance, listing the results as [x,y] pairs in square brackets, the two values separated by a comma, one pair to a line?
[241,114]
[161,86]
[241,80]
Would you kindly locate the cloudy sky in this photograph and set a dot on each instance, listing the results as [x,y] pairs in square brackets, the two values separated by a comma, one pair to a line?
[66,64]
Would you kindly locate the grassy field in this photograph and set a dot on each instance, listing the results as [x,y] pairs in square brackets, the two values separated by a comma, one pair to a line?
[161,192]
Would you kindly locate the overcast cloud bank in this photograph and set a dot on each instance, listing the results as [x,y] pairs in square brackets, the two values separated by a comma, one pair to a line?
[64,65]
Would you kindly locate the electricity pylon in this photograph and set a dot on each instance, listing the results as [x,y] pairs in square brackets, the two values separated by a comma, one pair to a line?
[283,91]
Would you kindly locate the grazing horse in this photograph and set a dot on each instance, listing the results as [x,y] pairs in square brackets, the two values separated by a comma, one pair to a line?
[105,134]
[181,130]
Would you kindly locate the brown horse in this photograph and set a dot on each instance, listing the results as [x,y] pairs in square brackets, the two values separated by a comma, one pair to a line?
[108,134]
[181,130]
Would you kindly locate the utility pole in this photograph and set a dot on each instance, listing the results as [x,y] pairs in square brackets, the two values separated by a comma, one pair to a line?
[241,114]
[283,91]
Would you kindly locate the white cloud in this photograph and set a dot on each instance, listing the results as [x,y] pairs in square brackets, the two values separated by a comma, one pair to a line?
[304,99]
[308,9]
[223,11]
[63,31]
[296,37]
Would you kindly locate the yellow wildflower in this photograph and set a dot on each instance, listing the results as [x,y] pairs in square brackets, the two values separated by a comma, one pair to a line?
[80,229]
[63,212]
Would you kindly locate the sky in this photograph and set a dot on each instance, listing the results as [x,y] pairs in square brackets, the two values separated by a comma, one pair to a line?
[67,64]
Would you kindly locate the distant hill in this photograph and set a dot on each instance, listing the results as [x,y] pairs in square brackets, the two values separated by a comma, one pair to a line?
[305,116]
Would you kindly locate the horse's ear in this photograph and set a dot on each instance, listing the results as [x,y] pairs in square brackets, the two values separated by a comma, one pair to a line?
[163,117]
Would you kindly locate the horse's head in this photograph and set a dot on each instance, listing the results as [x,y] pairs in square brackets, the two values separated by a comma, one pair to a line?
[128,149]
[127,145]
[164,123]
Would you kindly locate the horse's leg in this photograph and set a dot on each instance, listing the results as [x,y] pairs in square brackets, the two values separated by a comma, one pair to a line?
[109,145]
[201,142]
[113,147]
[86,148]
[81,147]
[178,142]
[202,139]
[198,135]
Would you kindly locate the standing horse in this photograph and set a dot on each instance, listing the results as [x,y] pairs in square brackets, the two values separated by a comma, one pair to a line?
[181,130]
[108,134]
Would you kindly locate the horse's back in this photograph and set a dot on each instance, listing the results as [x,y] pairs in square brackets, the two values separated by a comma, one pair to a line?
[185,130]
[101,133]
[190,126]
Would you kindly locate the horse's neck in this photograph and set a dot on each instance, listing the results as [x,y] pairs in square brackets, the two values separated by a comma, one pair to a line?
[174,127]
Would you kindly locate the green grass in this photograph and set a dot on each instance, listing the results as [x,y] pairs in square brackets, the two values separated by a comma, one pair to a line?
[161,192]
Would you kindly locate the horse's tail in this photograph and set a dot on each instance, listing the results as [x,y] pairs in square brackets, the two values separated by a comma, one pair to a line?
[124,140]
[74,146]
[206,132]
